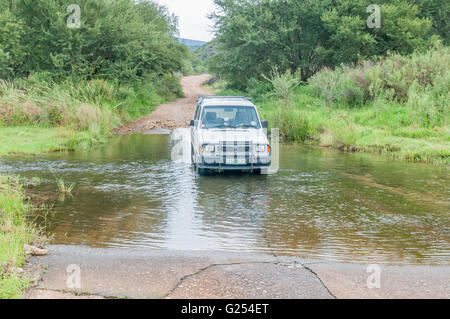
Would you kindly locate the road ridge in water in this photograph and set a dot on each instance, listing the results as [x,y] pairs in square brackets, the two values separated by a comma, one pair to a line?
[173,115]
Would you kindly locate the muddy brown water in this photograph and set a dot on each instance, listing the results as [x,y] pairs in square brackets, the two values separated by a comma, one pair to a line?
[322,203]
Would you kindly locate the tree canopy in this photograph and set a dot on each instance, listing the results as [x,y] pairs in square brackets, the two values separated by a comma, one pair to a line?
[123,40]
[303,36]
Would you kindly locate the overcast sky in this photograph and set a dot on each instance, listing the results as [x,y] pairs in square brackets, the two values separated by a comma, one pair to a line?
[192,17]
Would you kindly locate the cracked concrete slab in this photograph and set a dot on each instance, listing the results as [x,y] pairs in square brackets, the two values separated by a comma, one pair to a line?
[156,274]
[126,273]
[251,281]
[349,281]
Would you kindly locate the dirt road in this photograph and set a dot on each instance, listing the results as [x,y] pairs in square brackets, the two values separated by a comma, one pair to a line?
[174,115]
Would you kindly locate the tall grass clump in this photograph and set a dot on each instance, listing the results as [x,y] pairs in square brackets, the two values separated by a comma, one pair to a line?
[420,82]
[97,105]
[63,187]
[15,232]
[282,83]
[294,126]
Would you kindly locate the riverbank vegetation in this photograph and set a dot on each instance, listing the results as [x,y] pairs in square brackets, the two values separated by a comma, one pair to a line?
[15,232]
[72,85]
[320,74]
[397,106]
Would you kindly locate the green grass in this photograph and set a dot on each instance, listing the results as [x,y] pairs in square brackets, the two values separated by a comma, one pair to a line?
[36,140]
[396,106]
[63,188]
[39,115]
[385,127]
[15,231]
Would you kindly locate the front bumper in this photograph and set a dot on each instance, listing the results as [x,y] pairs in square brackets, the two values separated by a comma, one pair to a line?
[233,167]
[233,155]
[246,162]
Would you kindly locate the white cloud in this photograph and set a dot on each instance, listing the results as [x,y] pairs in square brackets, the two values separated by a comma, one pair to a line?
[192,17]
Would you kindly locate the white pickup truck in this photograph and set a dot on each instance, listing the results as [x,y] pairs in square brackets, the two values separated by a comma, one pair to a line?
[227,134]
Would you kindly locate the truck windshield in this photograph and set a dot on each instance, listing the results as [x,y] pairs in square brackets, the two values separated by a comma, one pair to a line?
[230,117]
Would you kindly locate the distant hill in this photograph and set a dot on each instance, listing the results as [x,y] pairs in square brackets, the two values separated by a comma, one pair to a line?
[192,44]
[206,51]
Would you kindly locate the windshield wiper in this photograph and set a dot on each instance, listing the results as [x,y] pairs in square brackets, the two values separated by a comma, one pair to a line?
[245,126]
[218,126]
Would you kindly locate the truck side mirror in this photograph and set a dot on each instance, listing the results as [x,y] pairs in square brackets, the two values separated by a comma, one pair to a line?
[265,124]
[192,123]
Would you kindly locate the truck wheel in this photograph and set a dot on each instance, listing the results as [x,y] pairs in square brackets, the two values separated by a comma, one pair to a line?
[200,171]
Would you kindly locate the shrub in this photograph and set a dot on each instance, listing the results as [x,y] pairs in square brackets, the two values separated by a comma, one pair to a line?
[5,69]
[427,108]
[97,105]
[95,91]
[294,125]
[282,83]
[258,89]
[395,77]
[85,116]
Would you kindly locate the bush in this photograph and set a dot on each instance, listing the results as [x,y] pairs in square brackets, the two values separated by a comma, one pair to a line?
[5,65]
[118,40]
[294,125]
[395,78]
[337,86]
[94,91]
[428,108]
[98,104]
[12,52]
[282,83]
[258,89]
[253,36]
[118,65]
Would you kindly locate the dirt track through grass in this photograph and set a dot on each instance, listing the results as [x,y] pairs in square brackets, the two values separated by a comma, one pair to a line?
[174,115]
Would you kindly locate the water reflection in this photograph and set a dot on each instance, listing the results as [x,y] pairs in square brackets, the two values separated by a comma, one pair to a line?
[321,204]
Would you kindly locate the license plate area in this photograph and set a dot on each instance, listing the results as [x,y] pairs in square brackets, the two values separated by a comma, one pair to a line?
[235,161]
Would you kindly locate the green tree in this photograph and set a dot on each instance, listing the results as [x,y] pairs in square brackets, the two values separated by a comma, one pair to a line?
[305,35]
[120,40]
[437,11]
[12,53]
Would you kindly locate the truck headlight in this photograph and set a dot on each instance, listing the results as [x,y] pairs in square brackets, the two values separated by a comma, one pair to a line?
[208,149]
[262,148]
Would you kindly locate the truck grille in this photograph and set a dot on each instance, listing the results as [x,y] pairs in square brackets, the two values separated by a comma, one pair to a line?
[235,148]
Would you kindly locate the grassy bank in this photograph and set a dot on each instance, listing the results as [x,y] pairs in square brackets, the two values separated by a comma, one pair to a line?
[39,115]
[15,232]
[36,140]
[397,106]
[65,85]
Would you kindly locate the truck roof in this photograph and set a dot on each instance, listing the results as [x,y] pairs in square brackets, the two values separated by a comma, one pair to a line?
[226,101]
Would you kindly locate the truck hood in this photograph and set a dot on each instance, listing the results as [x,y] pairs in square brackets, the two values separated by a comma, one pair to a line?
[215,136]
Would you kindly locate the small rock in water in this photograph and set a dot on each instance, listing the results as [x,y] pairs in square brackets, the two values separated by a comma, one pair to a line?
[31,250]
